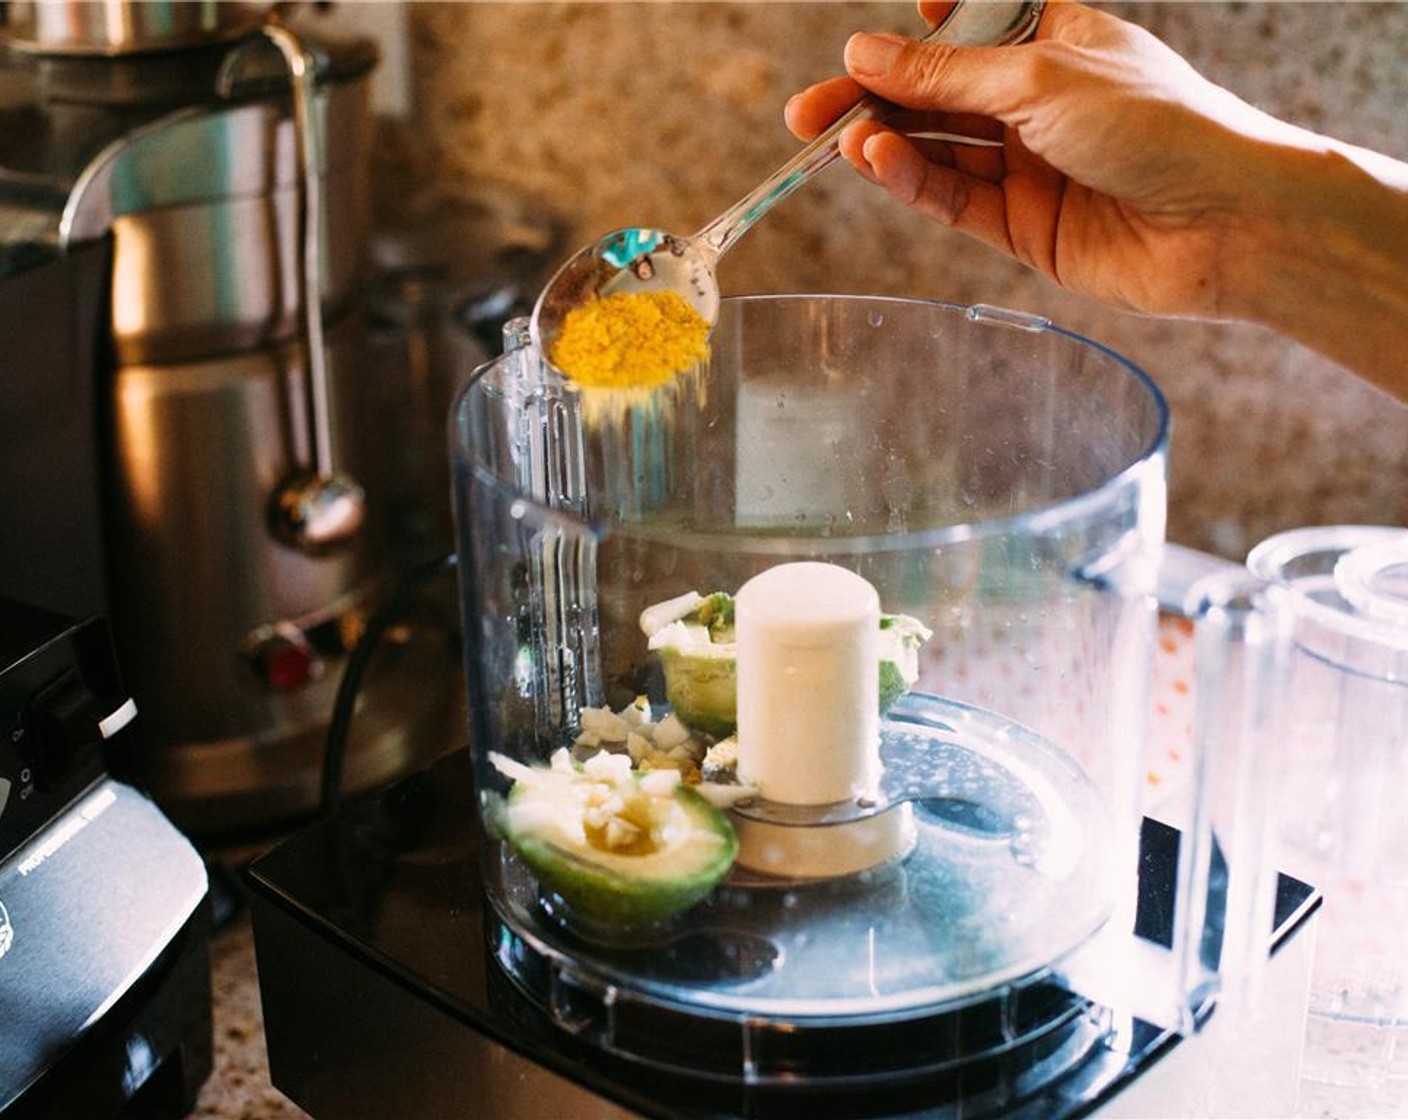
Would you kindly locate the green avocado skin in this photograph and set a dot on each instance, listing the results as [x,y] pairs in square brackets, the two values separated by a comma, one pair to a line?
[612,899]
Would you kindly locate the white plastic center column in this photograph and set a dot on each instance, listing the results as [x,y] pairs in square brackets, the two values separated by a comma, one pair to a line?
[808,642]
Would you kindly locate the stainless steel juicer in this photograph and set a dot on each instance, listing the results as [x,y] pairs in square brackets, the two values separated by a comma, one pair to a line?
[184,221]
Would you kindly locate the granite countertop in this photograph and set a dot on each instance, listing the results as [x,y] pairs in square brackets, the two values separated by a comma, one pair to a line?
[239,1087]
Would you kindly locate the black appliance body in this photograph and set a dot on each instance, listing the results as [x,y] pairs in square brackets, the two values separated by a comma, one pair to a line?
[53,337]
[105,1006]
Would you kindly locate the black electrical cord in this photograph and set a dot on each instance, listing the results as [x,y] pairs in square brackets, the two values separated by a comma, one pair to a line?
[393,608]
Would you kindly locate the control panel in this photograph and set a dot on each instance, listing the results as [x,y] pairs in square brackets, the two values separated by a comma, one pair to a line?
[61,699]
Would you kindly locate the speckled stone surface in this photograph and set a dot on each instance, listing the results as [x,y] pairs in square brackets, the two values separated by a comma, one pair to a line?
[663,113]
[239,1087]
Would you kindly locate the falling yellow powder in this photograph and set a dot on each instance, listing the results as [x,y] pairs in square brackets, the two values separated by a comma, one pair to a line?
[630,340]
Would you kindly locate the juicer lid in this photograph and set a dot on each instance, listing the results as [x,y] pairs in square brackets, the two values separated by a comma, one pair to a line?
[81,28]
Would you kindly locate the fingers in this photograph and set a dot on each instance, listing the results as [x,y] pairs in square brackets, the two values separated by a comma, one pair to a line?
[946,195]
[956,124]
[936,145]
[908,74]
[935,76]
[964,83]
[809,112]
[949,195]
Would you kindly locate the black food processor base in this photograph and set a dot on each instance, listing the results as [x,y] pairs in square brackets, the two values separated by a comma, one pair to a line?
[381,998]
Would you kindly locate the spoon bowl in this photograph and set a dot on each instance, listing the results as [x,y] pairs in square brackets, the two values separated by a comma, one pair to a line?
[635,259]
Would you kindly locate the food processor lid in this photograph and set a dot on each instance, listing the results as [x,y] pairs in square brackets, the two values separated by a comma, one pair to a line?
[1374,579]
[1349,580]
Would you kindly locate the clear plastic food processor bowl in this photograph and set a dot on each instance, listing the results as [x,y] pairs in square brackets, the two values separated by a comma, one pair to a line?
[995,478]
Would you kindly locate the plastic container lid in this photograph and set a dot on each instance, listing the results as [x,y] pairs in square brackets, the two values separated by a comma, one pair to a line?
[1348,581]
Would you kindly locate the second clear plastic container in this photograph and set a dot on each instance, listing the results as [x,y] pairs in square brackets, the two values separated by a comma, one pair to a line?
[1343,766]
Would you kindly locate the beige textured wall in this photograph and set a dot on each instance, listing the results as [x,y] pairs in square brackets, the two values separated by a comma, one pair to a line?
[663,113]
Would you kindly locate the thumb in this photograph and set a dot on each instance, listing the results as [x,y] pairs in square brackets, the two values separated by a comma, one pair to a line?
[938,76]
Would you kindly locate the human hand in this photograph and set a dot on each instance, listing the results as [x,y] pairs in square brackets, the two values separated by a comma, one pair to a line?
[1115,168]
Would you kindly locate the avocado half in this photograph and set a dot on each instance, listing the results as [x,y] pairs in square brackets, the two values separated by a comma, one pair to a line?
[693,635]
[664,850]
[702,689]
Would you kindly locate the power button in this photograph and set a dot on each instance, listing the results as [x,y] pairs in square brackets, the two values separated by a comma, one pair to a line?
[68,716]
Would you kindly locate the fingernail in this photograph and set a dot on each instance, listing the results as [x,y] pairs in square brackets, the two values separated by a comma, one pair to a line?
[872,55]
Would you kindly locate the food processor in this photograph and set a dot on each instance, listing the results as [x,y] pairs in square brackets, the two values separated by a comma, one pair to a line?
[808,699]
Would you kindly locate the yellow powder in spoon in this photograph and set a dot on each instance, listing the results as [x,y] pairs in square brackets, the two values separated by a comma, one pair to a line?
[630,340]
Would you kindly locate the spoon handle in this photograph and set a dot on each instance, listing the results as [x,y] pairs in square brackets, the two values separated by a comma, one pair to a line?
[987,23]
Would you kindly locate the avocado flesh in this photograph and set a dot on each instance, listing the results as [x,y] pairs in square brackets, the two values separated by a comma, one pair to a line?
[702,689]
[701,677]
[685,848]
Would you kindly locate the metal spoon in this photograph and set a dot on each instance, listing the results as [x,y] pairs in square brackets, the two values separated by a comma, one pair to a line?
[638,259]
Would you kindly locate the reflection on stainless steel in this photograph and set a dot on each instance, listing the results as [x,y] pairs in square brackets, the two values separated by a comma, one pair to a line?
[120,27]
[197,449]
[203,210]
[256,778]
[317,512]
[186,287]
[198,580]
